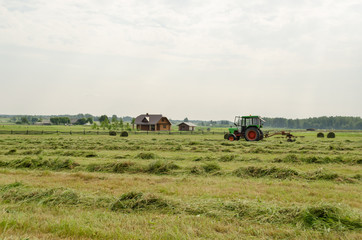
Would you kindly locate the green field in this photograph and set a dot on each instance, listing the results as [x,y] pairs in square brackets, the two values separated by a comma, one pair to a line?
[180,187]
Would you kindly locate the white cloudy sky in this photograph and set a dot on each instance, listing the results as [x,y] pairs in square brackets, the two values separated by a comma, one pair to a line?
[201,59]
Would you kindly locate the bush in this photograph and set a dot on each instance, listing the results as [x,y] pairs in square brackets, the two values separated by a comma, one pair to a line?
[331,135]
[320,135]
[112,133]
[124,134]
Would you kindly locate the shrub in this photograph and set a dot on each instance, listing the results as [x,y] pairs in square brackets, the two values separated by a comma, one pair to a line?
[124,134]
[331,135]
[112,133]
[320,135]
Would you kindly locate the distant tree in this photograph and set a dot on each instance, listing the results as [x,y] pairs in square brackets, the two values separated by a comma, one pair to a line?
[114,118]
[121,123]
[105,123]
[34,120]
[13,119]
[103,118]
[90,120]
[94,126]
[133,122]
[59,120]
[24,120]
[81,121]
[186,119]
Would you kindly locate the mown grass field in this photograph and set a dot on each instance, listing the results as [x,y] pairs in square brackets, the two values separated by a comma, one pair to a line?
[180,187]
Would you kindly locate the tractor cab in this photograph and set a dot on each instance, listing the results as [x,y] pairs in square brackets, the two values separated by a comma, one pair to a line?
[248,127]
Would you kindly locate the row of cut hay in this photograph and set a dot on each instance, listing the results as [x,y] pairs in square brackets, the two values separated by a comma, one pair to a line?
[322,217]
[167,167]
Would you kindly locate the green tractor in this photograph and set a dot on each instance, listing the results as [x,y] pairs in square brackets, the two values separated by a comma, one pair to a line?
[248,127]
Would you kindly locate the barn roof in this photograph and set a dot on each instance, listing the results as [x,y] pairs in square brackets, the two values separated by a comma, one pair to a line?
[188,124]
[147,119]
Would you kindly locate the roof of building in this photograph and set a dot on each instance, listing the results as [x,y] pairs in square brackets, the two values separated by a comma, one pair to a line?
[188,124]
[147,119]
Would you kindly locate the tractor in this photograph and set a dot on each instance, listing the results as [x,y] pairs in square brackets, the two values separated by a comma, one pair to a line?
[248,127]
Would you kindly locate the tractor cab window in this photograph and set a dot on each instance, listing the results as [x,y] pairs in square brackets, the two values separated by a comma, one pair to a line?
[252,121]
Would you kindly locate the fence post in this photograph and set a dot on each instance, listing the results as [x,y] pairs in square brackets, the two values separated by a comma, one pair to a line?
[70,132]
[42,132]
[83,131]
[11,131]
[97,132]
[57,132]
[27,131]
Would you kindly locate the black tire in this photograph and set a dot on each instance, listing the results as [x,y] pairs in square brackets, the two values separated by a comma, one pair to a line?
[231,137]
[252,134]
[261,135]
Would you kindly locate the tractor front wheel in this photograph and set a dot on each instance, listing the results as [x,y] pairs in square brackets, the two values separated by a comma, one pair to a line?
[231,137]
[252,134]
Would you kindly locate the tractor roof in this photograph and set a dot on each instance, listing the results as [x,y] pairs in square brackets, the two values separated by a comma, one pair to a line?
[250,116]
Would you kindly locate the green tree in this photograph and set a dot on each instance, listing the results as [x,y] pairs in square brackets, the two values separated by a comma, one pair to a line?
[24,120]
[133,122]
[90,120]
[103,118]
[121,123]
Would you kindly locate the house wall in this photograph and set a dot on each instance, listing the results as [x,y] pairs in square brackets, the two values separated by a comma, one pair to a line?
[164,125]
[183,127]
[143,127]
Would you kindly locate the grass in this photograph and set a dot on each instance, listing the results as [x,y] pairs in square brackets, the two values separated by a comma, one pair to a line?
[180,187]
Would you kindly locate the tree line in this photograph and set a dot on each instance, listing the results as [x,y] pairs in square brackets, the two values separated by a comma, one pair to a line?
[338,122]
[114,122]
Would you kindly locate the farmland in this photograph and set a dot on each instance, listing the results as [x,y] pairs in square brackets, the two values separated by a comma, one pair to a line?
[180,187]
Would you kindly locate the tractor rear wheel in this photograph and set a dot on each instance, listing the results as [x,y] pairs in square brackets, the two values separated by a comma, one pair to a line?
[252,134]
[231,137]
[226,136]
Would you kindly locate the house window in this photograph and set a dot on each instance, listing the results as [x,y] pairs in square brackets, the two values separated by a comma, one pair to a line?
[164,125]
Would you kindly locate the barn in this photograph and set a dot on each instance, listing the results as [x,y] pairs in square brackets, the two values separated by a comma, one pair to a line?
[152,122]
[186,126]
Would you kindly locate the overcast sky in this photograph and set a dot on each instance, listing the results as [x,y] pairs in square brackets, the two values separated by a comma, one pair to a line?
[201,59]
